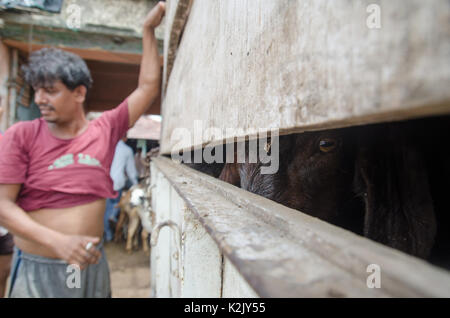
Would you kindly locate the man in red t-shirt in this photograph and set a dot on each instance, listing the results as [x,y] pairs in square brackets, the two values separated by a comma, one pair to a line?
[1,114]
[54,173]
[6,244]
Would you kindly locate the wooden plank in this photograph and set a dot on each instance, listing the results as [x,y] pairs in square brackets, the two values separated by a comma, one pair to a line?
[160,261]
[194,269]
[234,285]
[282,252]
[306,65]
[202,261]
[177,12]
[177,211]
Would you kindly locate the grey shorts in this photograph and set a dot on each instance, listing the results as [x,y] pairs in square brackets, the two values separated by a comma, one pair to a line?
[40,277]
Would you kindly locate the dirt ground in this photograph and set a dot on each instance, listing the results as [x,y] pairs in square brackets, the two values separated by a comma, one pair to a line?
[130,273]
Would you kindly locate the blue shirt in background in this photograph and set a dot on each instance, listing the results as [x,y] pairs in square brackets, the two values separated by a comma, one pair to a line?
[122,166]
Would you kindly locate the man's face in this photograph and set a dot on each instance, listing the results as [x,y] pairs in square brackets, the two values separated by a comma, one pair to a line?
[57,103]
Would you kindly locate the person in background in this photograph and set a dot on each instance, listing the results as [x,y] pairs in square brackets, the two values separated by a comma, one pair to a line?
[123,166]
[139,161]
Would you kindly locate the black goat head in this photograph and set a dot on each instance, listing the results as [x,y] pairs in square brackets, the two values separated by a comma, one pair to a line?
[372,180]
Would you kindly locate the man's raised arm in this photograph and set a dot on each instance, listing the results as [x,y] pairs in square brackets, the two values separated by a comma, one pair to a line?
[149,85]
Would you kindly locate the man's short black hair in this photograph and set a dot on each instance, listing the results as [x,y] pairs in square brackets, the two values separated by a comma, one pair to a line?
[49,65]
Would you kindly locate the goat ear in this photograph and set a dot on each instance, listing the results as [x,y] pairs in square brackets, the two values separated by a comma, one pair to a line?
[390,174]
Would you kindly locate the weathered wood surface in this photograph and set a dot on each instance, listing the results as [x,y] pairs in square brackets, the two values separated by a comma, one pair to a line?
[232,286]
[161,260]
[306,65]
[201,260]
[177,12]
[282,252]
[191,266]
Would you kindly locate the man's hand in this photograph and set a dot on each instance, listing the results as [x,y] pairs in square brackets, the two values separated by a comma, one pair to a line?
[154,17]
[72,249]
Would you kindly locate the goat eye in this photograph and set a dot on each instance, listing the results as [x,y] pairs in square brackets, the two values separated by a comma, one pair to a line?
[327,145]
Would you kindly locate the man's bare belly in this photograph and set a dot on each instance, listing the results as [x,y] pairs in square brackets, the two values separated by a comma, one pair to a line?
[86,219]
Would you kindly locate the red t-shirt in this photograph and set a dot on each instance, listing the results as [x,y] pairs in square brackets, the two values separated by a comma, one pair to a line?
[60,173]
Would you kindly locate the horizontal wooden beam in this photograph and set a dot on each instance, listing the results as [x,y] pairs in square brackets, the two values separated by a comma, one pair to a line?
[306,65]
[94,54]
[282,252]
